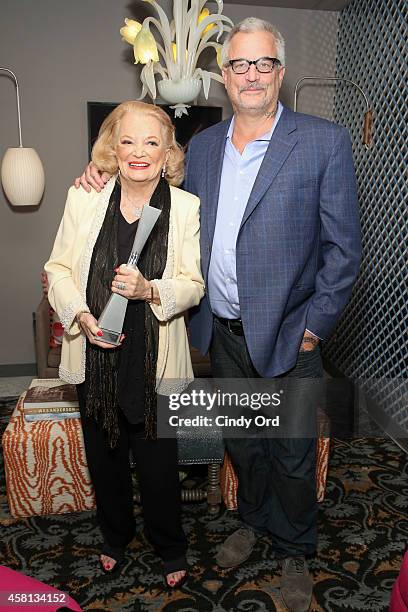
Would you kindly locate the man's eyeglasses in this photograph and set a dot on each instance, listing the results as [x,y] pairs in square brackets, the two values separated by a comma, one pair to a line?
[263,64]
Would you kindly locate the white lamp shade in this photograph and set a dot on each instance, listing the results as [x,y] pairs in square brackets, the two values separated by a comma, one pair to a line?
[22,176]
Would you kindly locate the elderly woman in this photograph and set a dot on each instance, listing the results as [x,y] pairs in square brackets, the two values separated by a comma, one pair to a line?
[117,386]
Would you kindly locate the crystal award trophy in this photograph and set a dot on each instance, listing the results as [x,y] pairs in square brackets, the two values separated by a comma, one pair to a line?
[113,315]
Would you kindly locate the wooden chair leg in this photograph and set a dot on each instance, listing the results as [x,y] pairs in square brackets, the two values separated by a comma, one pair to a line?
[212,492]
[190,495]
[214,488]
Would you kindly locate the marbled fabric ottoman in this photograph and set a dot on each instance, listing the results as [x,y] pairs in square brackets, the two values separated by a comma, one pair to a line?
[229,480]
[45,466]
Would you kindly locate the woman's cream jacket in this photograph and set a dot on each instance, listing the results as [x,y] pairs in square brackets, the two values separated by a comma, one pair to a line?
[180,288]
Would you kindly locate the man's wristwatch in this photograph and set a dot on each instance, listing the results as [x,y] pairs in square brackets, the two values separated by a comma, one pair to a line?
[310,340]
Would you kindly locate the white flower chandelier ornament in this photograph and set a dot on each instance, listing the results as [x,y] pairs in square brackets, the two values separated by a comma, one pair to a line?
[175,60]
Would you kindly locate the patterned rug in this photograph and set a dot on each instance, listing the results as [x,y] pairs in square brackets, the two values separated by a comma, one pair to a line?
[363,527]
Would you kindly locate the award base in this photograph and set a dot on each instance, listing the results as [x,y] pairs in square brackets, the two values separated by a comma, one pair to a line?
[109,336]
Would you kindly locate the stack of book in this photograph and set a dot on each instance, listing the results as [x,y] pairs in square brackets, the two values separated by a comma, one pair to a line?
[50,399]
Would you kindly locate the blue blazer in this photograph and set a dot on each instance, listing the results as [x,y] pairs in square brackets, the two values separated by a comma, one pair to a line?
[298,247]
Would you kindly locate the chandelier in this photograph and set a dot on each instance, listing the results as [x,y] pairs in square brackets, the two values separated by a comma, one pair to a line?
[173,55]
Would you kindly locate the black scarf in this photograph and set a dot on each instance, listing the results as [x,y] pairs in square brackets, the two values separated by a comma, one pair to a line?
[102,365]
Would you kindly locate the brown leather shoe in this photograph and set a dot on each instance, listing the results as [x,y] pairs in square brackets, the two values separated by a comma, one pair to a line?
[296,584]
[236,548]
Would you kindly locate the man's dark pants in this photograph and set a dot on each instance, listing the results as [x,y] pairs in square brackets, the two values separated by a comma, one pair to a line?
[276,476]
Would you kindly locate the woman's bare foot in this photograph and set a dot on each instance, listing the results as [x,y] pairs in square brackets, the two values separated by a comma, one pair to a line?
[174,578]
[108,563]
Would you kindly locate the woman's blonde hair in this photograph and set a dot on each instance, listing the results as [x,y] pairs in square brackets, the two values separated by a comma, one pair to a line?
[104,149]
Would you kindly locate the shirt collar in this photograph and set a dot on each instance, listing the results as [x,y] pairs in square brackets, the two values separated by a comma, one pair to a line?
[267,135]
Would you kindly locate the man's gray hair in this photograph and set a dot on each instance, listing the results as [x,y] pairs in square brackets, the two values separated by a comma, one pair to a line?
[253,24]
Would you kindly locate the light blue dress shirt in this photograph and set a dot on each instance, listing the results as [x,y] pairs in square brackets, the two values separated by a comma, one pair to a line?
[239,172]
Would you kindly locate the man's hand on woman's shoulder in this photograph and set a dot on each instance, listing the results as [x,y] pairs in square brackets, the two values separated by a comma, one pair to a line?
[92,177]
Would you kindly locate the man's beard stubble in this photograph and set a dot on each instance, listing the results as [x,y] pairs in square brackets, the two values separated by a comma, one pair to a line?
[249,106]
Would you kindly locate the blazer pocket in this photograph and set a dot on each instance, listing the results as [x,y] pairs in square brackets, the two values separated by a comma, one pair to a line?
[304,288]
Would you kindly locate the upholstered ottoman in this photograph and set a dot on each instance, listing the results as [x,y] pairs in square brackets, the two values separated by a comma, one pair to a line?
[45,466]
[229,480]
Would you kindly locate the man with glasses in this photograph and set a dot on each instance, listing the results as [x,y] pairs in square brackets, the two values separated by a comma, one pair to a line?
[280,250]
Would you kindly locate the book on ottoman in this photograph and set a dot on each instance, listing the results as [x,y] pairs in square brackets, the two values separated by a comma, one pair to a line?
[50,398]
[45,466]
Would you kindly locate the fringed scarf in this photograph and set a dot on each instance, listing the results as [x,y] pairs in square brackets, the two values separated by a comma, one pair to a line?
[101,364]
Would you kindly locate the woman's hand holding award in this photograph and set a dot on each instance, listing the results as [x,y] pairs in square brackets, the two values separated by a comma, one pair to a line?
[113,315]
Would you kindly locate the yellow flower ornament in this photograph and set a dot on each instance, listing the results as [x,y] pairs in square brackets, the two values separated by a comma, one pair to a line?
[170,49]
[204,13]
[145,48]
[130,30]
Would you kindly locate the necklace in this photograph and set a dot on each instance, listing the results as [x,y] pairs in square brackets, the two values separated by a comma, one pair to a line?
[136,210]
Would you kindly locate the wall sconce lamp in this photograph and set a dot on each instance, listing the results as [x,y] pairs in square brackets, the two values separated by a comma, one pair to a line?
[368,115]
[22,173]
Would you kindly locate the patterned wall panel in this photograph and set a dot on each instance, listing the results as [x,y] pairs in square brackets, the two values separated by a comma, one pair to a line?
[372,337]
[312,53]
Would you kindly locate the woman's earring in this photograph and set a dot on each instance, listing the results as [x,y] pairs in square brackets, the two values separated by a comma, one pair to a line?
[163,172]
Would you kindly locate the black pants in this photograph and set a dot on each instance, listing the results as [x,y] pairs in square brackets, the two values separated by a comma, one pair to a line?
[157,467]
[276,476]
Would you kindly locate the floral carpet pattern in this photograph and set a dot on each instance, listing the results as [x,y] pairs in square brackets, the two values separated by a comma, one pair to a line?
[363,530]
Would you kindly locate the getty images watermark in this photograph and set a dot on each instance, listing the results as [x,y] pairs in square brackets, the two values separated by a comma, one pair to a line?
[209,401]
[283,407]
[240,408]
